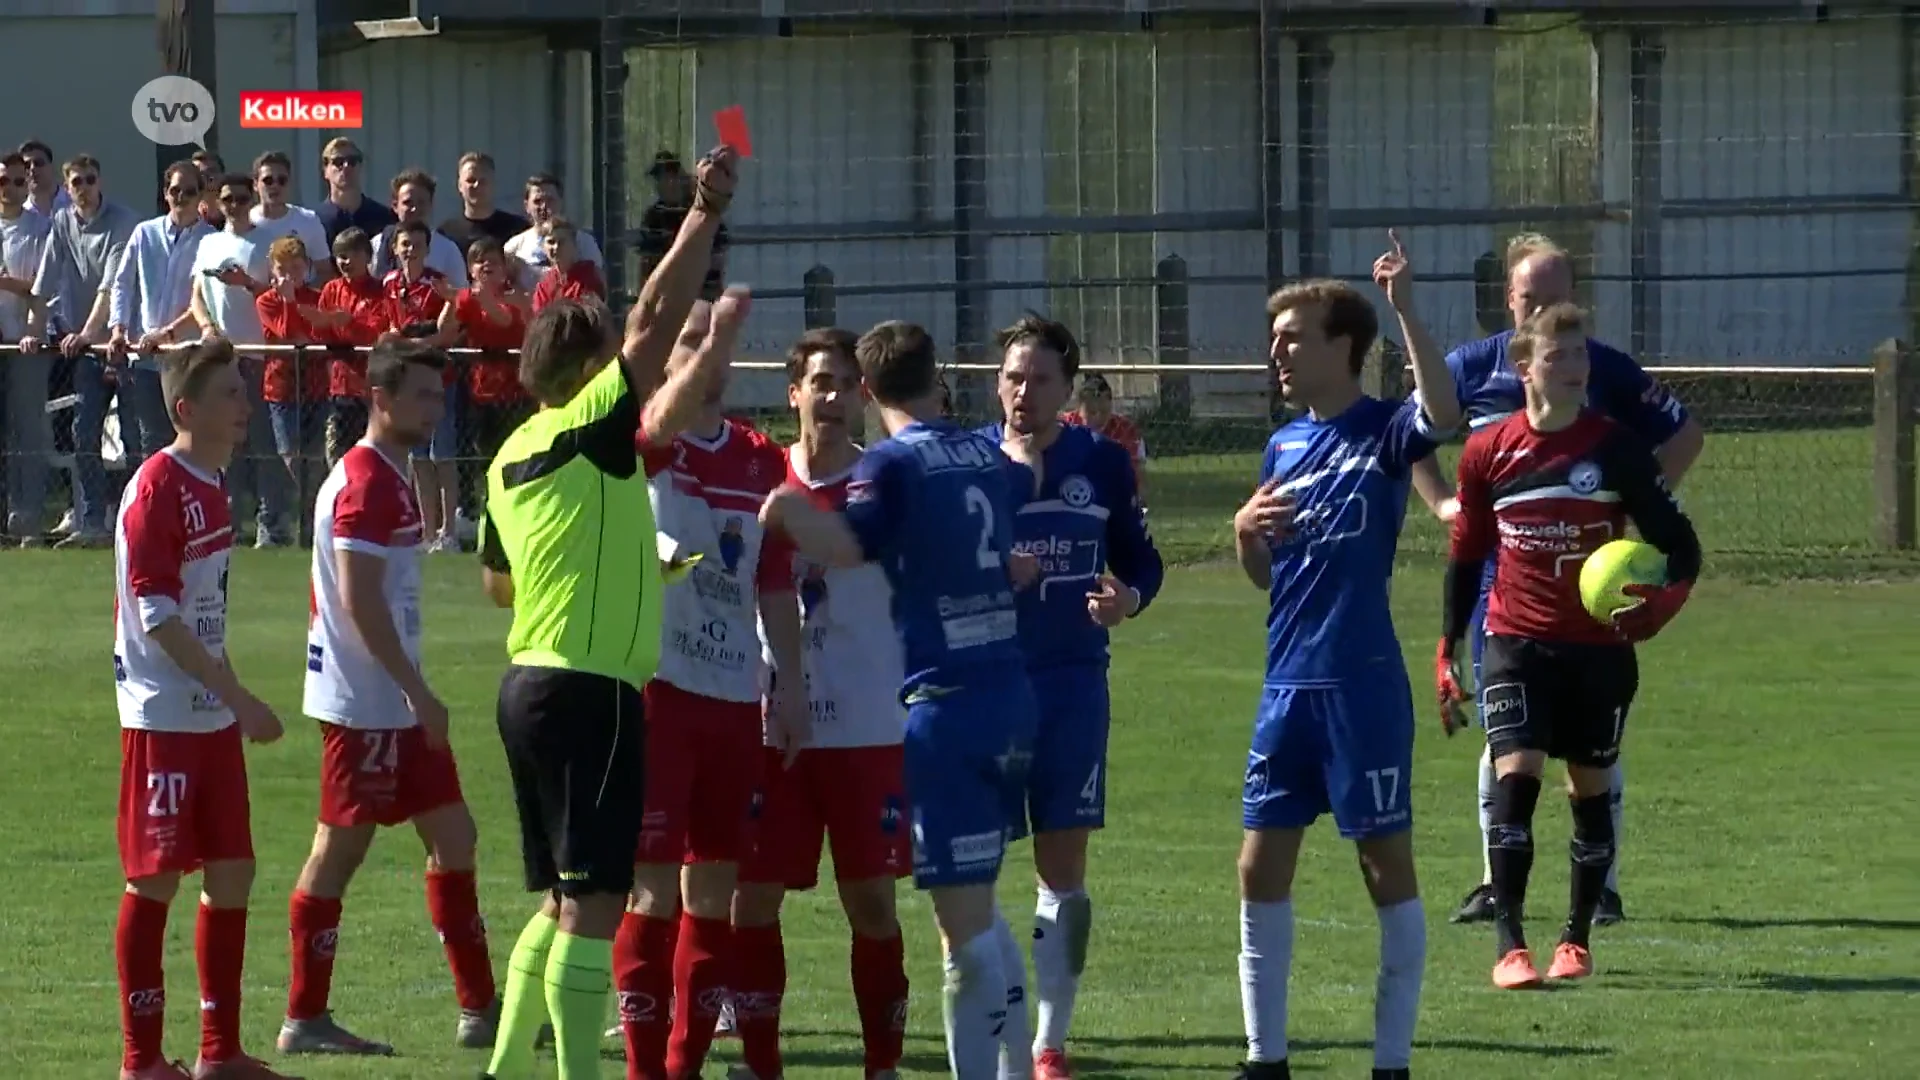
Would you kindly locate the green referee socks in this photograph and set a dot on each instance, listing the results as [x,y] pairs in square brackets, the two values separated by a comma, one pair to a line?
[579,978]
[523,1008]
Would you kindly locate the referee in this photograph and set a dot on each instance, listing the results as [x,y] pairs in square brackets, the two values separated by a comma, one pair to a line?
[568,544]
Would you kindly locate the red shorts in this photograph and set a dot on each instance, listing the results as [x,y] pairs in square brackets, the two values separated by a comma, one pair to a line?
[183,801]
[853,797]
[382,776]
[703,766]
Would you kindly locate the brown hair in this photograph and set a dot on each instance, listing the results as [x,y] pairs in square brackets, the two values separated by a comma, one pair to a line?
[1344,312]
[184,373]
[1541,327]
[485,248]
[562,340]
[830,339]
[174,171]
[79,163]
[286,249]
[272,157]
[543,179]
[387,364]
[418,177]
[898,362]
[352,239]
[1036,329]
[475,157]
[561,227]
[417,228]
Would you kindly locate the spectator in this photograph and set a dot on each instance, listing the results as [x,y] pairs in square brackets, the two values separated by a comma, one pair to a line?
[413,193]
[673,197]
[478,215]
[294,385]
[347,206]
[46,191]
[85,243]
[149,308]
[29,435]
[276,216]
[1096,412]
[490,314]
[230,272]
[527,252]
[212,168]
[568,276]
[354,312]
[416,293]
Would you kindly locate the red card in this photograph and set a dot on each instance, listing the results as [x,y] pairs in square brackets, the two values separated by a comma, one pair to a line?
[732,123]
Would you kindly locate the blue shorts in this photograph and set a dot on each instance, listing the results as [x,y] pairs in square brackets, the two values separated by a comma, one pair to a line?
[297,429]
[967,752]
[446,437]
[1067,784]
[1345,749]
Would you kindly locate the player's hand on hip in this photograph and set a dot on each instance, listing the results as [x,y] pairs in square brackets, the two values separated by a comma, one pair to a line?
[1657,607]
[1268,513]
[1111,601]
[431,715]
[1024,569]
[1447,679]
[256,719]
[792,721]
[1393,273]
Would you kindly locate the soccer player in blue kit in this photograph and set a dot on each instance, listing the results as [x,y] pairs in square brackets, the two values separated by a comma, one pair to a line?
[1540,275]
[1334,729]
[934,505]
[1098,568]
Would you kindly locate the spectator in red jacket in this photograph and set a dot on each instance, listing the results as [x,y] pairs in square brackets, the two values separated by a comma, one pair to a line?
[568,276]
[489,314]
[1096,412]
[294,386]
[353,311]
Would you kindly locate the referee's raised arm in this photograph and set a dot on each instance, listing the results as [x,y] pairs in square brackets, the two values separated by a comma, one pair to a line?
[669,292]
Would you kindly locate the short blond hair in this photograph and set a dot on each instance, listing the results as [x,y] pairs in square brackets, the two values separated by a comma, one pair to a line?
[1540,328]
[1526,245]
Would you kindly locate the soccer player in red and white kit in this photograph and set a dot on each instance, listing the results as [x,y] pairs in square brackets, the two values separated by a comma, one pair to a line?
[847,787]
[384,754]
[183,715]
[704,722]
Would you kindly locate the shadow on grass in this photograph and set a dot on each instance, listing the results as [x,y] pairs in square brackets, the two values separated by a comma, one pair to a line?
[1786,922]
[1776,982]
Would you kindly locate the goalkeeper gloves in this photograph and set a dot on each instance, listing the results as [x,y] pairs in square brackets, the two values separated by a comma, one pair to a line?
[1446,681]
[1657,607]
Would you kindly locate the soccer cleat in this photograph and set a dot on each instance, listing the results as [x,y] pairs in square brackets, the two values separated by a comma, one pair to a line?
[321,1035]
[1477,907]
[1610,911]
[543,1039]
[240,1068]
[1570,961]
[477,1029]
[1052,1064]
[1263,1070]
[741,1072]
[1393,1074]
[727,1027]
[1515,971]
[159,1070]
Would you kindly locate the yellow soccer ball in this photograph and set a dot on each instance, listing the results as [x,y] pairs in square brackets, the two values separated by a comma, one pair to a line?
[1614,566]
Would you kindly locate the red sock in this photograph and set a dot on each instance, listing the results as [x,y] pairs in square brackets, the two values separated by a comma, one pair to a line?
[315,924]
[137,947]
[220,947]
[759,984]
[643,976]
[700,971]
[880,996]
[453,902]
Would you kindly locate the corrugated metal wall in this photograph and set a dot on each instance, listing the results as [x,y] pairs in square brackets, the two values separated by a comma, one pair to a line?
[429,100]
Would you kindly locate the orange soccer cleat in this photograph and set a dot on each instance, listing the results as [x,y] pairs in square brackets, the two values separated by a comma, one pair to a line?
[1515,971]
[1052,1065]
[1571,961]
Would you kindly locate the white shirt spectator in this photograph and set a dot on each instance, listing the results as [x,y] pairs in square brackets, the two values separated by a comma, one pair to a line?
[22,240]
[154,282]
[442,254]
[532,254]
[231,307]
[297,221]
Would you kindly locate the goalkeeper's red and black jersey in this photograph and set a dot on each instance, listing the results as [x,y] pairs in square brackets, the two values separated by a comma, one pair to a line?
[1539,503]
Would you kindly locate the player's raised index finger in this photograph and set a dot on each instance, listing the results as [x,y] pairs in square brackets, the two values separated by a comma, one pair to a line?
[1393,237]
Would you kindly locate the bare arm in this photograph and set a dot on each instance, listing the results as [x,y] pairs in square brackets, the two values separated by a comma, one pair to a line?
[817,534]
[97,318]
[1434,490]
[780,613]
[674,284]
[1432,383]
[1256,559]
[201,666]
[197,309]
[677,404]
[363,593]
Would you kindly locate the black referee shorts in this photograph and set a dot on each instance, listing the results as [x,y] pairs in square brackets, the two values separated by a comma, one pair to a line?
[1565,699]
[576,747]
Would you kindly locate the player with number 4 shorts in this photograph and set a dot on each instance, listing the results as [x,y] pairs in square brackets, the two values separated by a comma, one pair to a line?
[933,506]
[384,759]
[846,789]
[183,717]
[1539,492]
[1098,567]
[1334,728]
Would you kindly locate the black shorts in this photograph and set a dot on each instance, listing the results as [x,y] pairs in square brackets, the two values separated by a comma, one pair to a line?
[1568,700]
[576,746]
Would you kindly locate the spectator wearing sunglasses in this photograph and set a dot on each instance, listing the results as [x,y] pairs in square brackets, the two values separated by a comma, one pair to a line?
[275,215]
[85,243]
[45,192]
[29,436]
[212,168]
[347,206]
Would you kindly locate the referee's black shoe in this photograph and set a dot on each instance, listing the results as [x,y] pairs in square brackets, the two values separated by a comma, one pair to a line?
[1263,1070]
[1393,1074]
[1609,912]
[1477,907]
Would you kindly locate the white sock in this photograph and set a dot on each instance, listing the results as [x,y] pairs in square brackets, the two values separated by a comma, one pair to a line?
[1266,960]
[1016,1041]
[1488,781]
[975,1008]
[1061,921]
[1396,996]
[1617,780]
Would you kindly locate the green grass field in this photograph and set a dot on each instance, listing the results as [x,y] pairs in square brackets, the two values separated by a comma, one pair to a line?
[1770,874]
